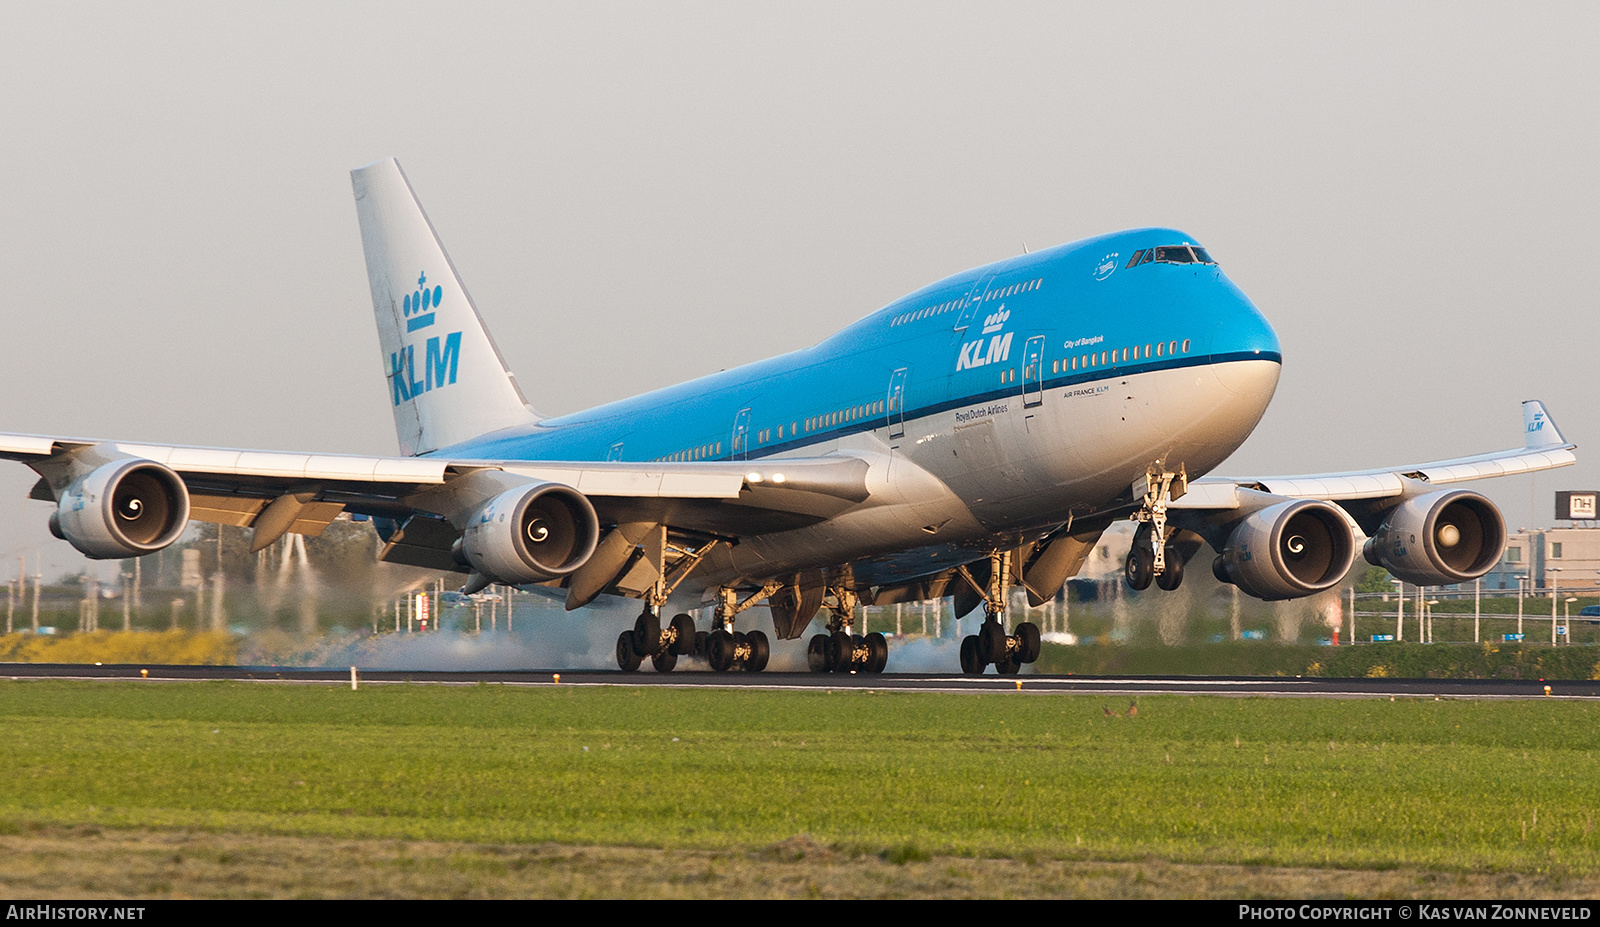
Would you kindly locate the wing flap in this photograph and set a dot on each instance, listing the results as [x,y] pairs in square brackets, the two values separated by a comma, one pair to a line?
[27,445]
[237,511]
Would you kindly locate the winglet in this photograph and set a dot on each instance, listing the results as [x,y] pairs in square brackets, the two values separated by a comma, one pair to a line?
[1539,429]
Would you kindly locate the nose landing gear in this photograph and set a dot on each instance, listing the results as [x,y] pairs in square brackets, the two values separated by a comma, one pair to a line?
[1153,556]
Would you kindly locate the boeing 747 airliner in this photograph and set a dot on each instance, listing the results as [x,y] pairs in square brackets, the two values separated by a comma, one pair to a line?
[974,436]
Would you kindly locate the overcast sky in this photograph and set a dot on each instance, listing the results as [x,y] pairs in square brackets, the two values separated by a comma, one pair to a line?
[638,194]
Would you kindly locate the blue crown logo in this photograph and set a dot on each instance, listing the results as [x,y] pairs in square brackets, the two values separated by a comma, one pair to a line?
[419,306]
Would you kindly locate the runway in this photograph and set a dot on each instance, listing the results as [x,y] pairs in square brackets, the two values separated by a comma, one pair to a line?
[1238,686]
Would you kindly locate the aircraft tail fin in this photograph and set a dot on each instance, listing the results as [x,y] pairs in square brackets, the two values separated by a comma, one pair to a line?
[447,380]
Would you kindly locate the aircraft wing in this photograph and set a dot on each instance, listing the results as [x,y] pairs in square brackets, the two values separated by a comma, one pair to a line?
[1544,448]
[237,487]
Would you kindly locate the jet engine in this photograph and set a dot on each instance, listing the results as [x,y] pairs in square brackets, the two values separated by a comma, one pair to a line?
[1438,538]
[1288,550]
[125,508]
[531,534]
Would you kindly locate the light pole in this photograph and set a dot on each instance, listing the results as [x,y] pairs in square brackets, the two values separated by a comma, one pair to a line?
[1567,615]
[1399,610]
[1555,587]
[1522,585]
[1477,607]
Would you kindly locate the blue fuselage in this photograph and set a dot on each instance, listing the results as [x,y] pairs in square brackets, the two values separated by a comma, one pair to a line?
[1073,318]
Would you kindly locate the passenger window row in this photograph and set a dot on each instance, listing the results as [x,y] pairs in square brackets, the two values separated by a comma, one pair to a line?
[711,449]
[1026,286]
[843,416]
[1095,359]
[780,432]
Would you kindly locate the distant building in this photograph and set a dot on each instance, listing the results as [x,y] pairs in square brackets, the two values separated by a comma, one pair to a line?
[1567,558]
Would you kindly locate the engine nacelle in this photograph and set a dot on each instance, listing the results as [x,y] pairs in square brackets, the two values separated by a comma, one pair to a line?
[1289,550]
[531,534]
[1439,538]
[126,508]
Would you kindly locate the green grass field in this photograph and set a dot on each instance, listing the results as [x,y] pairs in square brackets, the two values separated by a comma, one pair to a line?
[1454,786]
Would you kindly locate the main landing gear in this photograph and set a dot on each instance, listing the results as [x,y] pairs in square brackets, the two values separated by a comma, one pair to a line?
[723,648]
[840,651]
[1153,556]
[647,638]
[1008,652]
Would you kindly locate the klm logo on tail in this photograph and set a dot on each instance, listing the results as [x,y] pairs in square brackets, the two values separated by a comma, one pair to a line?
[1537,424]
[419,306]
[441,356]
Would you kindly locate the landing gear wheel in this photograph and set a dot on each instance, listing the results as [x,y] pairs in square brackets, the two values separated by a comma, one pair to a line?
[683,646]
[647,633]
[991,642]
[842,652]
[970,663]
[1008,667]
[1172,573]
[760,651]
[877,652]
[817,654]
[1027,642]
[720,650]
[664,661]
[1140,568]
[628,658]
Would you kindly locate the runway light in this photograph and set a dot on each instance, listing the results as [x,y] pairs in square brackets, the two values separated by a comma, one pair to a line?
[145,672]
[1546,691]
[556,678]
[1019,685]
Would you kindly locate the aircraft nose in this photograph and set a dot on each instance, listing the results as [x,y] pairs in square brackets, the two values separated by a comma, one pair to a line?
[1244,335]
[1249,379]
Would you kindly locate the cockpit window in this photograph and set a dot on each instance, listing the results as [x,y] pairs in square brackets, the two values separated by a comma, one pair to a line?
[1172,254]
[1135,259]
